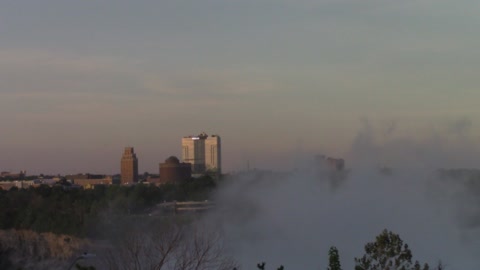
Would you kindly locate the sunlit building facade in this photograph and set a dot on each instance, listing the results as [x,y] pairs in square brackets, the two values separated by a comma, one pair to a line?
[203,152]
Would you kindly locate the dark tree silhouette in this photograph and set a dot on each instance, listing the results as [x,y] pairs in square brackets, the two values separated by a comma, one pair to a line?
[333,259]
[388,252]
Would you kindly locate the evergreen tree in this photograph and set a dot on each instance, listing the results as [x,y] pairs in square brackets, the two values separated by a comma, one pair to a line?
[333,259]
[388,252]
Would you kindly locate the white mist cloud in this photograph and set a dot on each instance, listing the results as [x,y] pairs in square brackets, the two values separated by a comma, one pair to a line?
[293,220]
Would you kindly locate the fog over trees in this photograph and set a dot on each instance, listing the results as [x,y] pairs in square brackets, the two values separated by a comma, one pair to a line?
[293,220]
[393,183]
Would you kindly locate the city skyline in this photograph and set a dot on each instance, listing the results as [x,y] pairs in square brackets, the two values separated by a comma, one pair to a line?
[279,80]
[320,124]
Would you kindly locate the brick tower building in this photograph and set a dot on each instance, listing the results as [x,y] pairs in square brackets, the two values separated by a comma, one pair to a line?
[129,166]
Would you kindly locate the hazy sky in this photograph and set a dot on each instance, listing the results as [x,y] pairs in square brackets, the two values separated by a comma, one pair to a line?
[80,80]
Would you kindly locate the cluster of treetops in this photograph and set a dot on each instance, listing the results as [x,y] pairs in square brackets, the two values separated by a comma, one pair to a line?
[387,252]
[80,212]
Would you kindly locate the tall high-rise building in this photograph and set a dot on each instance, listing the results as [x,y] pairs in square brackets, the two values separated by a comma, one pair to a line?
[129,166]
[203,152]
[213,154]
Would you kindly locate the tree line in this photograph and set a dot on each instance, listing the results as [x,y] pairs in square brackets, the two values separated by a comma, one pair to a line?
[180,246]
[387,252]
[186,248]
[62,210]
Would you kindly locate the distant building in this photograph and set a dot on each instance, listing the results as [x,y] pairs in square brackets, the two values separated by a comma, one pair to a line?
[6,185]
[116,179]
[329,163]
[91,183]
[213,154]
[172,171]
[73,177]
[88,180]
[203,152]
[153,180]
[332,169]
[129,166]
[13,175]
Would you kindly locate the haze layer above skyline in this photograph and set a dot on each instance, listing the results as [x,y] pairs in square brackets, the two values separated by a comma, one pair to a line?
[81,80]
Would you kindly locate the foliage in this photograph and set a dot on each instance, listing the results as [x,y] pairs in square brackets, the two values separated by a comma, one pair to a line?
[80,267]
[22,249]
[333,259]
[261,266]
[62,210]
[171,246]
[5,262]
[388,252]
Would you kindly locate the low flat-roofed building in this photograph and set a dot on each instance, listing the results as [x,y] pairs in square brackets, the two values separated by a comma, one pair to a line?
[84,176]
[6,185]
[91,183]
[10,175]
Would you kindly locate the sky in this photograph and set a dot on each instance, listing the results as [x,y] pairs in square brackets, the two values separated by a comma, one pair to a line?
[80,80]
